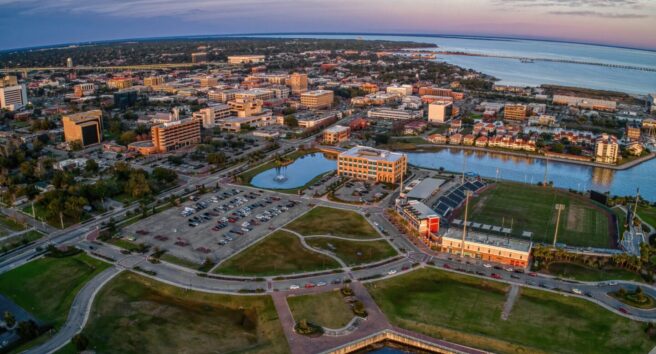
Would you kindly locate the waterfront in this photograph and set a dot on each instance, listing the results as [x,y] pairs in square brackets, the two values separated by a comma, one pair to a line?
[512,72]
[532,170]
[296,174]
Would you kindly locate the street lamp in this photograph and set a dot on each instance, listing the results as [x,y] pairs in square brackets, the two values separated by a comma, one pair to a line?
[468,195]
[559,208]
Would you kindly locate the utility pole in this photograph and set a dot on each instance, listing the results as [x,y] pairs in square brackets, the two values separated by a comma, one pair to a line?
[559,208]
[635,206]
[61,219]
[546,167]
[468,195]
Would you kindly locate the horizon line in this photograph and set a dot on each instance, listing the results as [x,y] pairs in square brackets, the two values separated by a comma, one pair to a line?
[255,34]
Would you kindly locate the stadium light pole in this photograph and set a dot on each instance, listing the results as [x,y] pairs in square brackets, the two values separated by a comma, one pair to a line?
[468,195]
[559,208]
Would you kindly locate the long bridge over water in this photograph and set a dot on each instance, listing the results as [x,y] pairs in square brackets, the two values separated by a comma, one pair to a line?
[553,60]
[25,70]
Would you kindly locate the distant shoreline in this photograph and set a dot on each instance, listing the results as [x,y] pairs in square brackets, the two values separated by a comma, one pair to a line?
[255,35]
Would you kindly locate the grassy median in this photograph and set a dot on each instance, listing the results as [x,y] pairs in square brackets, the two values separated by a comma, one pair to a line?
[467,310]
[330,221]
[326,309]
[354,252]
[277,254]
[134,314]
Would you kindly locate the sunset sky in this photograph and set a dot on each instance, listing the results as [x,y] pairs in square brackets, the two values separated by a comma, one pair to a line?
[26,23]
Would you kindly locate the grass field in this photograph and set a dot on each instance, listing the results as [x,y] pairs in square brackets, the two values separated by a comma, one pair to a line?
[278,253]
[46,287]
[648,215]
[326,309]
[330,221]
[133,314]
[531,208]
[354,252]
[621,220]
[467,310]
[583,273]
[10,224]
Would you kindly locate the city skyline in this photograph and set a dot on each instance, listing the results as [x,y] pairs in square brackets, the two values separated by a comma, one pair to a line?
[43,23]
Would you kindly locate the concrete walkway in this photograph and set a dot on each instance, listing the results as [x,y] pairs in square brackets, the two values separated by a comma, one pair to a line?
[511,298]
[310,248]
[78,314]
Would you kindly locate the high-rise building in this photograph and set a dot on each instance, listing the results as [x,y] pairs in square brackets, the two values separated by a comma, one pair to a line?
[85,89]
[125,99]
[176,135]
[371,164]
[13,96]
[651,103]
[85,127]
[317,99]
[607,150]
[208,81]
[69,62]
[298,83]
[199,57]
[439,111]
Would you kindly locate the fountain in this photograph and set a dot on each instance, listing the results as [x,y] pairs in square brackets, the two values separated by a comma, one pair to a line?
[280,176]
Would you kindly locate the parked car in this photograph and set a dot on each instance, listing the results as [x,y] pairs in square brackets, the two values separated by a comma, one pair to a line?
[294,287]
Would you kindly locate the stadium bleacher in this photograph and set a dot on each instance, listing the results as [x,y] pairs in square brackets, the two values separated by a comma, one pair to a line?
[454,198]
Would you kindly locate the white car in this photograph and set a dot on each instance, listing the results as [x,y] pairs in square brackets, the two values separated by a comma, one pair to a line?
[577,291]
[509,269]
[392,272]
[294,287]
[487,265]
[321,283]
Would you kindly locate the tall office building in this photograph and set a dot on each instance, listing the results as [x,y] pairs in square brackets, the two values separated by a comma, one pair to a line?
[176,135]
[317,99]
[365,163]
[85,127]
[439,111]
[199,57]
[69,62]
[153,80]
[13,95]
[212,115]
[298,83]
[607,150]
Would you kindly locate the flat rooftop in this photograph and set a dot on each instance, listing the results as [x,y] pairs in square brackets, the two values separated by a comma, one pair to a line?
[425,188]
[371,154]
[337,129]
[489,240]
[420,210]
[316,93]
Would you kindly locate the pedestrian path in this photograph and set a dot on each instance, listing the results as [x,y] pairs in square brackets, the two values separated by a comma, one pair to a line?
[511,298]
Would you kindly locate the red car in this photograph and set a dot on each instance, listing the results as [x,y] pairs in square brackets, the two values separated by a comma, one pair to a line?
[533,274]
[623,310]
[309,285]
[446,266]
[495,276]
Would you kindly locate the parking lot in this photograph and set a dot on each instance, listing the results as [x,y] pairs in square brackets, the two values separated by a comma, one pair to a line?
[217,225]
[362,192]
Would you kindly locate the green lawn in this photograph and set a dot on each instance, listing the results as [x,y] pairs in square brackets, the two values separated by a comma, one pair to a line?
[648,214]
[531,208]
[179,261]
[326,309]
[278,253]
[11,224]
[584,273]
[467,310]
[47,286]
[336,222]
[133,314]
[354,252]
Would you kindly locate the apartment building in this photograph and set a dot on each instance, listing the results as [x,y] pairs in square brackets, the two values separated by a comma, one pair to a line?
[211,116]
[255,94]
[223,96]
[280,91]
[167,137]
[607,150]
[336,134]
[154,81]
[13,96]
[317,99]
[245,107]
[371,164]
[208,81]
[298,83]
[394,114]
[434,91]
[633,132]
[515,112]
[85,127]
[246,59]
[439,111]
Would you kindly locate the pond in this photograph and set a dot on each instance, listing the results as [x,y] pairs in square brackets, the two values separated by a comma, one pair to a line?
[296,174]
